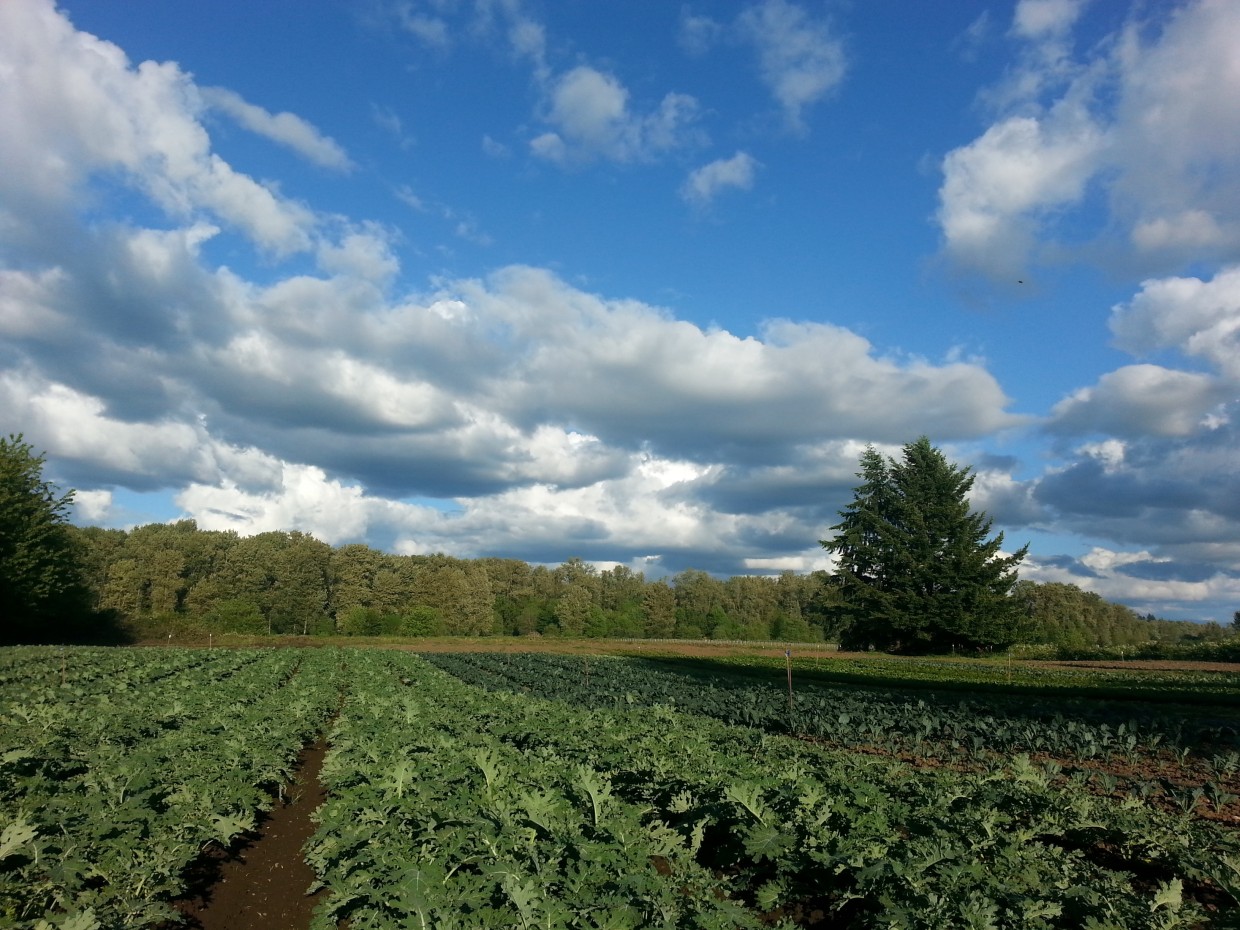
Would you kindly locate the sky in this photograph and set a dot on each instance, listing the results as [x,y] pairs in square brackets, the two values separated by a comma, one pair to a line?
[633,281]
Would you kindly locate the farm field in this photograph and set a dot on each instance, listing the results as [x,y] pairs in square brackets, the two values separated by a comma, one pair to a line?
[484,789]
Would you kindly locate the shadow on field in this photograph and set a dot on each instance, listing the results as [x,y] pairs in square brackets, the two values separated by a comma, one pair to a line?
[1210,713]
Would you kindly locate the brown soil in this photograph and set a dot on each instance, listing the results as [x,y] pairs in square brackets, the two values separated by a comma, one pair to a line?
[262,884]
[1150,665]
[515,644]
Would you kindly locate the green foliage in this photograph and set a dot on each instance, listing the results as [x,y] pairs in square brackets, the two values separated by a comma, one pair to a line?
[1079,624]
[42,596]
[360,621]
[421,621]
[237,616]
[789,825]
[626,800]
[916,571]
[118,767]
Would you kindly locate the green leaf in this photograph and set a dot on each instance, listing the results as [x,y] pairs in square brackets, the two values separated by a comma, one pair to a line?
[767,842]
[749,796]
[1170,895]
[83,920]
[16,835]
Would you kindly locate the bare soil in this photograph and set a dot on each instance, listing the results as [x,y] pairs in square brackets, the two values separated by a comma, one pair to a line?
[261,884]
[1150,665]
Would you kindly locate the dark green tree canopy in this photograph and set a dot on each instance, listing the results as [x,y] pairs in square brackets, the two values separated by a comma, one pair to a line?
[916,570]
[41,589]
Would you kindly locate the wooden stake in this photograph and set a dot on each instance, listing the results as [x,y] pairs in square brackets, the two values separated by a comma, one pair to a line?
[788,659]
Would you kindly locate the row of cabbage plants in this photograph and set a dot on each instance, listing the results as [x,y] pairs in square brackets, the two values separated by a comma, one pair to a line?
[936,726]
[114,777]
[454,807]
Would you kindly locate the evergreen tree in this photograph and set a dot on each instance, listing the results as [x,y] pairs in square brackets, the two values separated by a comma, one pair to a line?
[916,570]
[42,596]
[864,541]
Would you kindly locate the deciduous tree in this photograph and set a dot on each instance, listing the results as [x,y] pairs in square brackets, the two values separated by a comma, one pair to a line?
[41,591]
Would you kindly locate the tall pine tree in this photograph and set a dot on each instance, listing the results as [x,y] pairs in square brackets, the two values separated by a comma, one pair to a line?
[916,570]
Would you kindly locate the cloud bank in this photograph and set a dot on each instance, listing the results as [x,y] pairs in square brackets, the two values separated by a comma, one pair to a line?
[316,384]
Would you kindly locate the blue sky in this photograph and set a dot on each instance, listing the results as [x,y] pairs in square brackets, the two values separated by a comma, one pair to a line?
[633,281]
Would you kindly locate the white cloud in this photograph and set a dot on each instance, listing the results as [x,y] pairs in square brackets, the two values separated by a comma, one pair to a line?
[495,148]
[1200,318]
[93,507]
[287,129]
[428,28]
[1116,575]
[997,189]
[29,303]
[698,33]
[390,122]
[1194,230]
[84,109]
[704,183]
[589,113]
[1036,19]
[1142,400]
[365,254]
[800,60]
[304,497]
[76,428]
[528,39]
[623,369]
[1145,116]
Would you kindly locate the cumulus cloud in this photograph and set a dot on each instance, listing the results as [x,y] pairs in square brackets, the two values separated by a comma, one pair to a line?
[521,414]
[545,411]
[1166,479]
[1174,497]
[998,189]
[93,507]
[800,60]
[1161,479]
[1142,580]
[1143,116]
[705,183]
[287,129]
[590,117]
[1200,318]
[1142,400]
[84,108]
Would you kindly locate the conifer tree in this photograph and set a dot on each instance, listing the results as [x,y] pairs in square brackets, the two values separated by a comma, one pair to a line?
[916,570]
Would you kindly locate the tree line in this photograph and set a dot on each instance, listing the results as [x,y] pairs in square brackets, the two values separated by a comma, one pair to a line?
[175,577]
[170,575]
[916,573]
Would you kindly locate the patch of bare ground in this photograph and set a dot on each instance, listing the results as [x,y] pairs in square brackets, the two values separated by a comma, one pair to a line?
[1148,665]
[261,883]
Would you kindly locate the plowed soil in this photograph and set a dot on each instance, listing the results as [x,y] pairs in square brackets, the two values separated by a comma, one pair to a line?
[261,885]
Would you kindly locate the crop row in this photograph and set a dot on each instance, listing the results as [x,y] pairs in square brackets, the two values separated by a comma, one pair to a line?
[432,821]
[944,728]
[107,795]
[60,675]
[452,806]
[496,808]
[1125,680]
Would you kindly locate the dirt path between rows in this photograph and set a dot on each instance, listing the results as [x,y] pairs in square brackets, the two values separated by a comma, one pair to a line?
[262,886]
